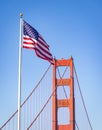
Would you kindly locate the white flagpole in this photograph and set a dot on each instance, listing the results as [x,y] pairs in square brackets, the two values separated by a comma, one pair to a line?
[19,72]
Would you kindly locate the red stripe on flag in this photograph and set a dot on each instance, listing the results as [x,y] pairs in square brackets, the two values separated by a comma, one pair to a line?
[43,49]
[43,56]
[43,43]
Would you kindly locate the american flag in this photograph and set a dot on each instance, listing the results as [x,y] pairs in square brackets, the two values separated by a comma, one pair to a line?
[33,40]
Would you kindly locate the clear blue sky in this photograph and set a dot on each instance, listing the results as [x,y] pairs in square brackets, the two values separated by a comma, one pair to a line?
[70,28]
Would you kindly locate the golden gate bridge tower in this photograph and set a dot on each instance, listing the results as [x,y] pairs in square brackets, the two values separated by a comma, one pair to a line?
[68,102]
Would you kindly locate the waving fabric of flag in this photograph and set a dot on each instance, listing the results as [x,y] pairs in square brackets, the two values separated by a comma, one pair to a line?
[33,40]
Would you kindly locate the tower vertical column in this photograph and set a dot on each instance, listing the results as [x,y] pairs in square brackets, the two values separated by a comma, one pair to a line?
[68,103]
[54,99]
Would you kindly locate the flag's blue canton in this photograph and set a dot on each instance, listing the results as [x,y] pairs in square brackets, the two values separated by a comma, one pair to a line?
[29,31]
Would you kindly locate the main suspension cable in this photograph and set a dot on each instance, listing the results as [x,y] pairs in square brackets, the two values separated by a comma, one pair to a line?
[77,125]
[41,109]
[26,98]
[82,98]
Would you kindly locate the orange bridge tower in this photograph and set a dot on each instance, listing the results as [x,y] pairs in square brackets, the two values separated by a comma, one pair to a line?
[63,103]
